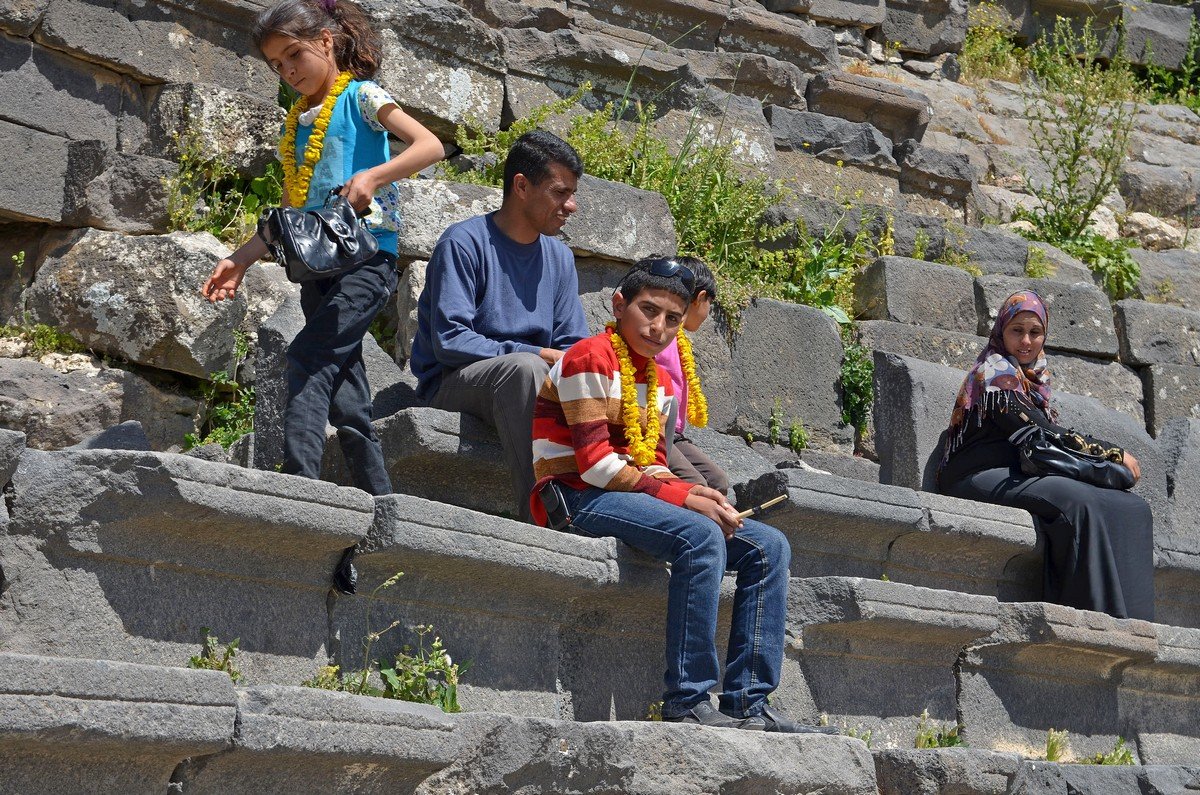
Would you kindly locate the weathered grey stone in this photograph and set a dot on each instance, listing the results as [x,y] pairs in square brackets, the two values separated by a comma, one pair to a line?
[1158,701]
[618,222]
[1049,666]
[543,757]
[63,96]
[1171,391]
[1079,315]
[57,408]
[872,654]
[242,129]
[1157,334]
[712,116]
[301,739]
[1160,190]
[831,138]
[12,444]
[441,64]
[767,79]
[138,298]
[129,435]
[927,231]
[213,451]
[740,461]
[688,24]
[927,27]
[951,348]
[1114,384]
[1167,121]
[541,14]
[846,466]
[241,452]
[912,407]
[1169,277]
[993,251]
[773,377]
[1154,33]
[127,555]
[751,28]
[902,290]
[1063,267]
[408,293]
[941,771]
[21,16]
[34,182]
[900,112]
[95,725]
[430,206]
[995,204]
[432,453]
[928,171]
[1177,541]
[859,13]
[148,41]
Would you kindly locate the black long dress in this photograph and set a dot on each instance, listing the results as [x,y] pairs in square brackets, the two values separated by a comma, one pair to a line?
[1099,542]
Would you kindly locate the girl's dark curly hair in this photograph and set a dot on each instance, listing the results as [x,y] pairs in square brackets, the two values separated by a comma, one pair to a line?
[356,47]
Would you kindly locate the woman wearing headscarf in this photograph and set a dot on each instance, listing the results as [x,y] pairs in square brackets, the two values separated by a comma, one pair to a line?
[1099,542]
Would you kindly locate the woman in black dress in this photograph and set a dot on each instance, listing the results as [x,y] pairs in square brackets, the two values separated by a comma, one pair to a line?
[1099,542]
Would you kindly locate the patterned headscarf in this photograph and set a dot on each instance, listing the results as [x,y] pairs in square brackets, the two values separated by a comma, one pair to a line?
[997,370]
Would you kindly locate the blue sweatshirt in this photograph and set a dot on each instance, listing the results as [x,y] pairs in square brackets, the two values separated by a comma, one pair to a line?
[487,295]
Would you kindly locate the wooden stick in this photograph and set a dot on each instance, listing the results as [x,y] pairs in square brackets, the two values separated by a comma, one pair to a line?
[769,503]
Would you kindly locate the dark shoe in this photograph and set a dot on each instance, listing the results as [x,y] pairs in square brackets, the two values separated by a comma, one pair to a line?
[771,721]
[345,576]
[704,714]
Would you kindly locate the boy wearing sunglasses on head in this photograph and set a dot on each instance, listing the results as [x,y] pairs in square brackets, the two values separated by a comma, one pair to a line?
[600,459]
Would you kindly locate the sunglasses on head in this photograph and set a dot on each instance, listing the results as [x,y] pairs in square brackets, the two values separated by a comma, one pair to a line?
[668,267]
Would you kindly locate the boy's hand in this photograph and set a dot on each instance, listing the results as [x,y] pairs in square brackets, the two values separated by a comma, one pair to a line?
[712,503]
[224,281]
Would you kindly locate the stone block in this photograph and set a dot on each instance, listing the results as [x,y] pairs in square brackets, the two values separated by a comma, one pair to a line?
[295,739]
[687,24]
[156,43]
[743,463]
[774,377]
[138,298]
[1079,315]
[846,466]
[1158,699]
[951,348]
[900,289]
[1063,267]
[919,236]
[815,176]
[619,222]
[941,771]
[21,18]
[1177,541]
[767,79]
[1169,277]
[242,129]
[429,207]
[1049,666]
[442,65]
[99,726]
[752,29]
[852,13]
[900,112]
[127,555]
[1172,390]
[913,400]
[34,183]
[993,251]
[831,138]
[1157,334]
[12,444]
[926,27]
[942,175]
[72,398]
[1164,191]
[1154,33]
[873,655]
[63,96]
[1115,385]
[408,293]
[129,435]
[711,116]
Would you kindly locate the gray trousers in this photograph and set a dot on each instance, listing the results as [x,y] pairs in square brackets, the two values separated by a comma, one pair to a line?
[691,464]
[501,392]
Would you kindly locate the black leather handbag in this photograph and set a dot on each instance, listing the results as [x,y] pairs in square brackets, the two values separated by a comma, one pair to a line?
[317,244]
[1043,452]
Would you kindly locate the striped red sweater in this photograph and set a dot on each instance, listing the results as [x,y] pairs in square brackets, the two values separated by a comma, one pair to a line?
[579,437]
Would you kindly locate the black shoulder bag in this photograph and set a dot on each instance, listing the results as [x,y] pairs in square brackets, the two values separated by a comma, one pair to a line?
[317,244]
[1043,452]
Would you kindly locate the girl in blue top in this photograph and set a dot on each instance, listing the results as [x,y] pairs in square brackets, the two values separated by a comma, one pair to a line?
[335,135]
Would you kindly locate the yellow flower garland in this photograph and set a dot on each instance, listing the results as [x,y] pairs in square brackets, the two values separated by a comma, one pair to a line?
[296,180]
[642,445]
[697,404]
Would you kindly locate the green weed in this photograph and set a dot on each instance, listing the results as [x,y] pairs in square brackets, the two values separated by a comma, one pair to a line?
[213,658]
[858,386]
[989,51]
[1057,745]
[228,412]
[1175,87]
[1119,755]
[932,736]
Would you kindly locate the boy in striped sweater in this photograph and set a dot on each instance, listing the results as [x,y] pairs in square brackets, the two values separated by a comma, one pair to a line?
[599,451]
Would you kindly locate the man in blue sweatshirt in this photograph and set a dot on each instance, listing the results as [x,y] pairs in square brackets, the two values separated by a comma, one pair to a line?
[501,303]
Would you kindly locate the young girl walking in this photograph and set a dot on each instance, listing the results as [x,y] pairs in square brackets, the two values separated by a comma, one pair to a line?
[335,135]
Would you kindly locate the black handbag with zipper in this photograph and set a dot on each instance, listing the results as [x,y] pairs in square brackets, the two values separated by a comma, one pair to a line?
[1044,452]
[317,244]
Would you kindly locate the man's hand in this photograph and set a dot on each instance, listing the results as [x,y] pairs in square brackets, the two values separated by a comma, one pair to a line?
[714,505]
[224,281]
[1134,467]
[550,355]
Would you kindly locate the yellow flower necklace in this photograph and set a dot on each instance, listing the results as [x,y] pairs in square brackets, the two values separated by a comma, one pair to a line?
[642,445]
[697,404]
[296,180]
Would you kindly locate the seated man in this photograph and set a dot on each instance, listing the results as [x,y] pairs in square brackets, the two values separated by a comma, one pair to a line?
[601,455]
[501,302]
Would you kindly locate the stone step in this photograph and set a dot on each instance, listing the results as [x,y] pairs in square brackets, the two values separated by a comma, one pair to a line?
[85,725]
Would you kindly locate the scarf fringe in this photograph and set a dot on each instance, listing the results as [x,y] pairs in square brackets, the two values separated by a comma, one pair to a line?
[993,400]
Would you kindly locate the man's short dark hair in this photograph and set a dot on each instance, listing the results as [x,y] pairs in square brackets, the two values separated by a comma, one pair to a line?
[532,154]
[639,279]
[705,281]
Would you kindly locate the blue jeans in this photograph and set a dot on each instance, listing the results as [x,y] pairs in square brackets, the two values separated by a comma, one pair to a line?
[699,556]
[327,379]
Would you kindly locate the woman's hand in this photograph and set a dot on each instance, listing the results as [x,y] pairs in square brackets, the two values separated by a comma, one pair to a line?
[359,190]
[714,505]
[1132,464]
[224,281]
